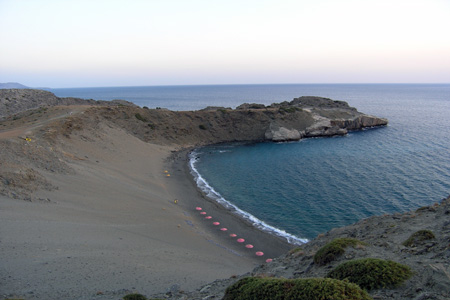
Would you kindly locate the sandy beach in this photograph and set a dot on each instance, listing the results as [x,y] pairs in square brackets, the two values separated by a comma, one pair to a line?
[118,223]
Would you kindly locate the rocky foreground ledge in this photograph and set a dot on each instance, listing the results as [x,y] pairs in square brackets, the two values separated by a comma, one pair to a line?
[418,239]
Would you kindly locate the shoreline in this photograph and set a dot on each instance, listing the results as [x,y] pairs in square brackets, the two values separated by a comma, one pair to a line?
[272,246]
[234,209]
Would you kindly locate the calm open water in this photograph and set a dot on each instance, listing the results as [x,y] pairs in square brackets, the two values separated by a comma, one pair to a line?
[305,188]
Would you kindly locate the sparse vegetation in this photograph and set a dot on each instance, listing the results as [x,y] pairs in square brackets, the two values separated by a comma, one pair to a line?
[334,249]
[418,237]
[372,273]
[140,117]
[309,288]
[202,127]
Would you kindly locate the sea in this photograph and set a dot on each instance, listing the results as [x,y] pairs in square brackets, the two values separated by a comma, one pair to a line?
[298,190]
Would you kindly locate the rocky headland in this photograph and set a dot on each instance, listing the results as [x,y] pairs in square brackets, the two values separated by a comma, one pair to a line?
[45,139]
[54,117]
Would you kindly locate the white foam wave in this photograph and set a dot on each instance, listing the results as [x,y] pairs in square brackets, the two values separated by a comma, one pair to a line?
[214,195]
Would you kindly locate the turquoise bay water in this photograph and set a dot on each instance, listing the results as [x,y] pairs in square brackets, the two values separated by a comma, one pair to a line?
[308,187]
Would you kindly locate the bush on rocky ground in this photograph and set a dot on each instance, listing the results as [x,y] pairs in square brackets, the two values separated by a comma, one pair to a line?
[334,249]
[418,237]
[134,297]
[250,288]
[372,273]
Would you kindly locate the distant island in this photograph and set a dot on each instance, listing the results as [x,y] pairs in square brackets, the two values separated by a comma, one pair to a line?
[16,85]
[13,85]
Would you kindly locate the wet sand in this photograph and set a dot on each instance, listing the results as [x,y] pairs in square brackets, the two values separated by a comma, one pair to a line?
[119,225]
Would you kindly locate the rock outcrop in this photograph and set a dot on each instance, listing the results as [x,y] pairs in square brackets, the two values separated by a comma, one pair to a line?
[361,121]
[276,133]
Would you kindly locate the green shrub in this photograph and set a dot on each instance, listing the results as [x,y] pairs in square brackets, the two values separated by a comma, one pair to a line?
[372,273]
[299,289]
[134,297]
[140,117]
[202,127]
[334,249]
[419,236]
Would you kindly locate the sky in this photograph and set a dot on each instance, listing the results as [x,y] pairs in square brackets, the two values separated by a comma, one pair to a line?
[93,43]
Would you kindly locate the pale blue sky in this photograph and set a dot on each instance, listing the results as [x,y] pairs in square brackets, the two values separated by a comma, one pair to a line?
[65,43]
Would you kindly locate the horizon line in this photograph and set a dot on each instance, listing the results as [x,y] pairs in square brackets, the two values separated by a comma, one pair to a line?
[254,84]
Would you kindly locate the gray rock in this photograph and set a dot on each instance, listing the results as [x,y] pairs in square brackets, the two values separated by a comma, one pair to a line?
[277,133]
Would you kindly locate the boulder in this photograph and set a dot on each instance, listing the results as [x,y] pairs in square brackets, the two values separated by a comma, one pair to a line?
[278,133]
